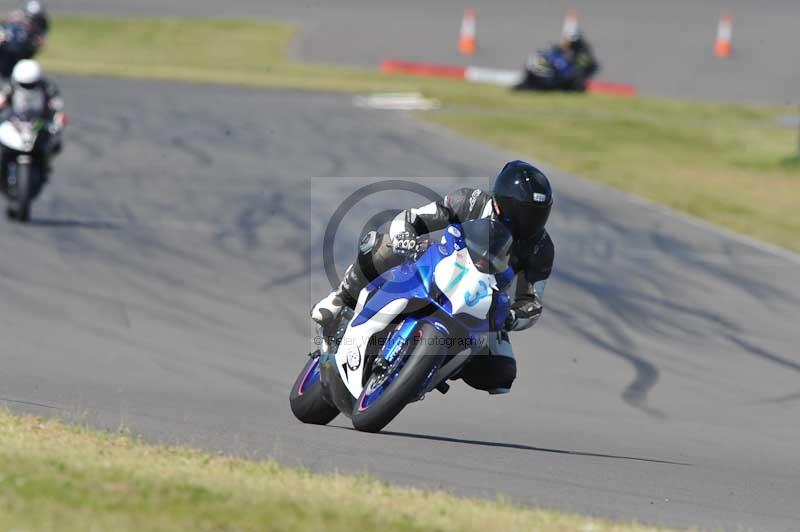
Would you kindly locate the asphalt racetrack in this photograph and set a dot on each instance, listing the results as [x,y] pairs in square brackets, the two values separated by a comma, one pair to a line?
[165,283]
[664,48]
[166,280]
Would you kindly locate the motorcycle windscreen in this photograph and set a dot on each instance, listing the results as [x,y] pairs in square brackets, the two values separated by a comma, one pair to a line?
[28,104]
[489,244]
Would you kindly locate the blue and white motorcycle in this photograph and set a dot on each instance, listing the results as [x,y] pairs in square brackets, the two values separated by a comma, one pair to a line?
[549,70]
[413,328]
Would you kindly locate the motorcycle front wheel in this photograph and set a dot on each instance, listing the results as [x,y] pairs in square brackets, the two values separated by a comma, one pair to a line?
[20,194]
[387,393]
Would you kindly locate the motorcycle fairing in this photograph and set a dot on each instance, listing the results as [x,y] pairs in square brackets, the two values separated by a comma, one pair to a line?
[13,138]
[443,287]
[352,351]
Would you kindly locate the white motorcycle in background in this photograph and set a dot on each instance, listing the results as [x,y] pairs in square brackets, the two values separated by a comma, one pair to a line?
[25,139]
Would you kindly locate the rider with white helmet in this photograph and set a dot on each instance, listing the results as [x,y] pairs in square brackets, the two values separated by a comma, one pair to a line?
[29,92]
[29,86]
[27,73]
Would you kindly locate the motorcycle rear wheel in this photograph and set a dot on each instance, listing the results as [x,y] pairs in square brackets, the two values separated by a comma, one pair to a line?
[306,398]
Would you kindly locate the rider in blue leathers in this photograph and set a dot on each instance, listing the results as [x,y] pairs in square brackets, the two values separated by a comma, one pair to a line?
[566,66]
[22,35]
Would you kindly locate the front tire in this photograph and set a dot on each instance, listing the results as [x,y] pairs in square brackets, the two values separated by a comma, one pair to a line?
[306,398]
[20,208]
[372,414]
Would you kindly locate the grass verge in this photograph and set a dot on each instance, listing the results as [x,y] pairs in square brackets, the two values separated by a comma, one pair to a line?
[59,477]
[731,164]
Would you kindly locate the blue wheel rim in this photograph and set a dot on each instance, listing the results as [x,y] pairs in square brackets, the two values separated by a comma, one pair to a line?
[369,397]
[372,394]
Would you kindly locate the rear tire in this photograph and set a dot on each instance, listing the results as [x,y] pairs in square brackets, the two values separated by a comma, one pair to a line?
[307,400]
[405,388]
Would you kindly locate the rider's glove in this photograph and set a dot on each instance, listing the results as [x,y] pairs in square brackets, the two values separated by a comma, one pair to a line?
[523,314]
[405,243]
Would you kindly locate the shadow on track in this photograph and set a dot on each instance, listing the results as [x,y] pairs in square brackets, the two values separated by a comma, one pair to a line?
[78,224]
[518,446]
[28,403]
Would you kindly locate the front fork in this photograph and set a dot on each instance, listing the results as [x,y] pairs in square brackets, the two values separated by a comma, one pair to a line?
[11,171]
[409,331]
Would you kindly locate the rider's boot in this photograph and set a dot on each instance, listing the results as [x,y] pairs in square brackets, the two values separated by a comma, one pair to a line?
[327,312]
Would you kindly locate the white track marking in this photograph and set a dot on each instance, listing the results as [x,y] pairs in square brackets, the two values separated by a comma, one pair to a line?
[397,101]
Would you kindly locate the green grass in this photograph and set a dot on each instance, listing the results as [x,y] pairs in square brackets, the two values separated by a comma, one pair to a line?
[205,50]
[724,163]
[730,164]
[58,477]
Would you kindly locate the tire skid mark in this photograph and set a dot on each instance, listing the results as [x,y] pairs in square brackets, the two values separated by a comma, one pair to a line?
[646,373]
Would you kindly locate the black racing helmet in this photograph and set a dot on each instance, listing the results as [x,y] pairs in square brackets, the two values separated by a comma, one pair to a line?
[522,199]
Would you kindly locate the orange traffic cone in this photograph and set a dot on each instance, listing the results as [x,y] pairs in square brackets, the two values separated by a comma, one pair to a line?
[570,27]
[722,46]
[467,42]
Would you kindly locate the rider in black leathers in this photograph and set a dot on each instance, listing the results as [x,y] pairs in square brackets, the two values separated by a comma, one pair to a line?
[521,198]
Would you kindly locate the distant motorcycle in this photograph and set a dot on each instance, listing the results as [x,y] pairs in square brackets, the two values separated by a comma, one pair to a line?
[414,327]
[24,139]
[550,70]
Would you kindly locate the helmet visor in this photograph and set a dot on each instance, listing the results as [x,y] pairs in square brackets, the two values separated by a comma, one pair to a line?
[533,219]
[525,219]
